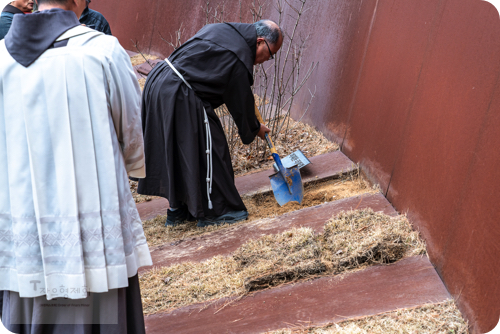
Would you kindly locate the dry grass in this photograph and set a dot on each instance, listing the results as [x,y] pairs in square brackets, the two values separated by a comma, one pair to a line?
[142,82]
[432,318]
[253,158]
[352,240]
[189,283]
[139,59]
[137,197]
[157,233]
[259,206]
[355,239]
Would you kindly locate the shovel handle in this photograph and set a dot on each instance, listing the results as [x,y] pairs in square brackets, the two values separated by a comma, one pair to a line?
[276,157]
[268,139]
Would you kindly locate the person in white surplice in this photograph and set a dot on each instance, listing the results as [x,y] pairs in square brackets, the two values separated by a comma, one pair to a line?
[71,240]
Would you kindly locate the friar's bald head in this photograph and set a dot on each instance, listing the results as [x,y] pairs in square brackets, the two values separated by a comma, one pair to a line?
[269,40]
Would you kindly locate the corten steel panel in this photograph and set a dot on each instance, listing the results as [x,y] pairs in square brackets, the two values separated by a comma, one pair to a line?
[131,21]
[337,41]
[192,15]
[445,125]
[453,95]
[393,62]
[471,267]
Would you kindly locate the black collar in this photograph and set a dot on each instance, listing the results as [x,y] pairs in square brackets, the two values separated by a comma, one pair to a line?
[11,9]
[84,13]
[30,35]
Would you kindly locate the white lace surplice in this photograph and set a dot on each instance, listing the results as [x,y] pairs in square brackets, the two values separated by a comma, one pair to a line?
[70,131]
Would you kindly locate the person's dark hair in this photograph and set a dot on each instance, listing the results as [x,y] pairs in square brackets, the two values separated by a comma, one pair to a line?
[267,30]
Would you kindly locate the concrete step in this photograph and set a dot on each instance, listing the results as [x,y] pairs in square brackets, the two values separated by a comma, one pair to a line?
[322,167]
[225,241]
[408,283]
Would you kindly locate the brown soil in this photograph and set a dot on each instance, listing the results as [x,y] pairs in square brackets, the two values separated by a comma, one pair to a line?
[265,205]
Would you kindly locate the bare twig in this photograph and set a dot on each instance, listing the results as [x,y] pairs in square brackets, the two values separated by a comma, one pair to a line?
[138,50]
[175,42]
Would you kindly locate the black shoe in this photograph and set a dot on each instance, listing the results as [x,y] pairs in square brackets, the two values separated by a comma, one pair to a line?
[227,218]
[179,216]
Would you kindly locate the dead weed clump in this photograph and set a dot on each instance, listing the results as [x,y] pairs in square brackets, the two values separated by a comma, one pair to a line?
[432,318]
[142,83]
[275,259]
[358,238]
[188,283]
[351,240]
[256,157]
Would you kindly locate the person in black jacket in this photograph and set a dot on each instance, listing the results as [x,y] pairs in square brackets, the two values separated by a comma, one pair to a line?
[15,7]
[95,20]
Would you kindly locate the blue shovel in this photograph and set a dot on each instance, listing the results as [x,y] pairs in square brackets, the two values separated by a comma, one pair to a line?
[287,182]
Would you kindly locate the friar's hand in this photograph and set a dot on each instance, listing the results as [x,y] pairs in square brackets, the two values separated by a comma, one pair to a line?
[263,130]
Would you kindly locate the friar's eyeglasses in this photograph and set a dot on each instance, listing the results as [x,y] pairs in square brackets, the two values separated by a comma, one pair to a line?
[271,56]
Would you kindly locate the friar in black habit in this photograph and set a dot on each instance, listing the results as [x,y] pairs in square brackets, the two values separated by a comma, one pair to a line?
[187,156]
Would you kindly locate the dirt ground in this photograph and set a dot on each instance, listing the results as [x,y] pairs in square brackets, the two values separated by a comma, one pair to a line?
[262,206]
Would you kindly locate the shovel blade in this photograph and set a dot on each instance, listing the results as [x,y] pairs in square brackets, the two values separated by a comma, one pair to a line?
[282,192]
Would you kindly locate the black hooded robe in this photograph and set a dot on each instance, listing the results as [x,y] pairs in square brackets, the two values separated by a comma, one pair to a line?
[218,64]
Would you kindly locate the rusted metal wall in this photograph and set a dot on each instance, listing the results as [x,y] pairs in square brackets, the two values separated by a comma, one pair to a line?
[144,23]
[423,123]
[410,89]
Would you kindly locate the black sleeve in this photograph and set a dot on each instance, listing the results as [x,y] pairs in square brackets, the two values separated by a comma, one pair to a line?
[5,23]
[240,102]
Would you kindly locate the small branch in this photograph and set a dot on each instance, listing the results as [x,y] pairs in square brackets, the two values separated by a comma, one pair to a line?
[143,56]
